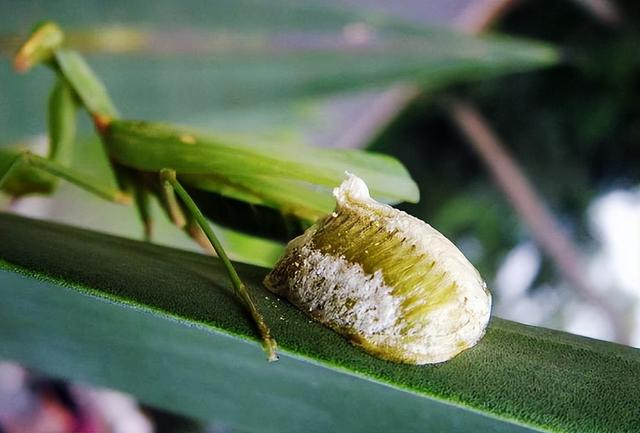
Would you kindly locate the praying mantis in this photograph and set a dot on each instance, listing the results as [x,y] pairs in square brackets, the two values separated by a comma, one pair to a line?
[184,170]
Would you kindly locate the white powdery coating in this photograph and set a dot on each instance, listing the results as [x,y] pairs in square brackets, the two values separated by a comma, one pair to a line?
[341,292]
[458,323]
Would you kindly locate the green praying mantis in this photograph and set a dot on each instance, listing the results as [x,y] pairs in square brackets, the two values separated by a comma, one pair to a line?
[282,188]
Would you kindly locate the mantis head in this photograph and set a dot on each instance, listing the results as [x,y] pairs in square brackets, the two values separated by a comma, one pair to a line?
[45,38]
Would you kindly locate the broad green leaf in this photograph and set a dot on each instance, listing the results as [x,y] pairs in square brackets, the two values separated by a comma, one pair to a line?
[163,325]
[195,57]
[250,78]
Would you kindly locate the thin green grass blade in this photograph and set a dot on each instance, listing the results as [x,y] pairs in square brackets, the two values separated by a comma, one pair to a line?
[163,325]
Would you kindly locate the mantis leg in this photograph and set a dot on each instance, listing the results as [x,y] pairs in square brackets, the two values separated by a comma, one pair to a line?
[195,232]
[169,178]
[92,185]
[187,223]
[173,207]
[141,198]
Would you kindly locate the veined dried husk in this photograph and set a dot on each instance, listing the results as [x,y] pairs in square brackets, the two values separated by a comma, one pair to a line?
[386,280]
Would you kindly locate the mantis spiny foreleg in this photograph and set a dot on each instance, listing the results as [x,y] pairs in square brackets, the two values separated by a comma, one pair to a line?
[48,166]
[19,175]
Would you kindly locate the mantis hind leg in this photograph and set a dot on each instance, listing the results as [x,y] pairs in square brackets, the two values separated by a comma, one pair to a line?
[170,180]
[49,166]
[186,222]
[138,184]
[142,200]
[197,234]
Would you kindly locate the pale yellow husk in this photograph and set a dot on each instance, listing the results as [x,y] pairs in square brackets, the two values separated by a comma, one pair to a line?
[386,280]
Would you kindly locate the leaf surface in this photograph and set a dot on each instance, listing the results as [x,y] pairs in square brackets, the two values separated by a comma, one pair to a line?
[163,325]
[195,57]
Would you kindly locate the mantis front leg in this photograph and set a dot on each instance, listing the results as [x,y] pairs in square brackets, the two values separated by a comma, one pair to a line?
[49,166]
[170,180]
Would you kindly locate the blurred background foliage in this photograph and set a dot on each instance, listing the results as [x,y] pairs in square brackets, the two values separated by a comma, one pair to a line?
[573,128]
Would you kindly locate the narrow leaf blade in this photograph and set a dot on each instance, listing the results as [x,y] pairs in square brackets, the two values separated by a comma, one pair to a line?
[163,325]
